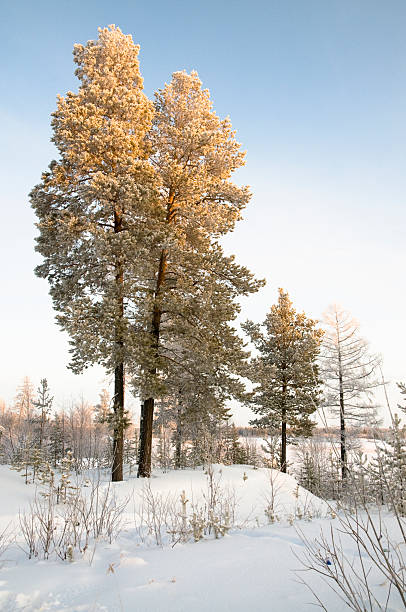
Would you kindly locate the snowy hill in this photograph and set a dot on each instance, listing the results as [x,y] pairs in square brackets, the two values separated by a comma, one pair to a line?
[251,568]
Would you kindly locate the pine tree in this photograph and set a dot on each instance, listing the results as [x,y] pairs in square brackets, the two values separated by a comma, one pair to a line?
[347,369]
[235,453]
[36,460]
[44,405]
[308,474]
[92,206]
[285,372]
[272,447]
[46,477]
[22,461]
[65,487]
[250,452]
[194,154]
[57,438]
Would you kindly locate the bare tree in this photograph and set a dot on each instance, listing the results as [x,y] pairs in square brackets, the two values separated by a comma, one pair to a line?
[348,371]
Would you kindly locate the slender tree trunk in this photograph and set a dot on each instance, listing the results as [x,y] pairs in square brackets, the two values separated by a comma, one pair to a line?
[178,446]
[141,433]
[147,411]
[118,406]
[283,432]
[343,440]
[63,435]
[41,431]
[283,442]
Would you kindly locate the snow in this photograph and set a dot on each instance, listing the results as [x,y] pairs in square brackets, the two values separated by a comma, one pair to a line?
[252,568]
[16,495]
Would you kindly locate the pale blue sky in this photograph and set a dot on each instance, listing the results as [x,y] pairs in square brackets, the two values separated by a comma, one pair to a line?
[316,90]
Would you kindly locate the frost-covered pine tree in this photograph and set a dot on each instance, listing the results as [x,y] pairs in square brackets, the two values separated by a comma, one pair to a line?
[93,207]
[202,366]
[285,372]
[348,372]
[194,153]
[22,460]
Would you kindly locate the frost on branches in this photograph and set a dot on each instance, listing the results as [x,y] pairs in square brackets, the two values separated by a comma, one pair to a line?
[285,372]
[348,371]
[129,218]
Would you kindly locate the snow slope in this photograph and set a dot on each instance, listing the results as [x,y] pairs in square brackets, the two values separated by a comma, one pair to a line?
[249,569]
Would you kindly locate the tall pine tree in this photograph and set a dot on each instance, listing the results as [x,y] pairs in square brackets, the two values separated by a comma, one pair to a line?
[93,206]
[194,153]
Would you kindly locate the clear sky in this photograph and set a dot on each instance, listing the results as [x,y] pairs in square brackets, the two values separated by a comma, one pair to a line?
[317,93]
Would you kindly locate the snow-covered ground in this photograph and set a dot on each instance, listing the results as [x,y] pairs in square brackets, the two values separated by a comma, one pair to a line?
[251,568]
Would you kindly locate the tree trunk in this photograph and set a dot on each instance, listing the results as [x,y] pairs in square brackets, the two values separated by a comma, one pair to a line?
[141,433]
[118,406]
[343,445]
[147,412]
[283,432]
[118,436]
[41,431]
[178,446]
[144,466]
[283,442]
